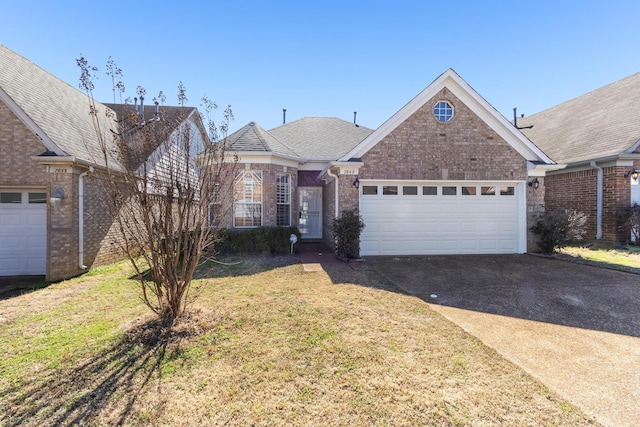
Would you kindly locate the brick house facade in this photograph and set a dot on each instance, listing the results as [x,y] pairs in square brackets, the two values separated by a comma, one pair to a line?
[477,151]
[597,138]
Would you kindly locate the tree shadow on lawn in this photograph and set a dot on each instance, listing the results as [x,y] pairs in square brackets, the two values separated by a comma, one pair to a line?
[113,378]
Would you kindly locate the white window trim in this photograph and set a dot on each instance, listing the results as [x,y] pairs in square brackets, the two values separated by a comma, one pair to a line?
[288,195]
[241,176]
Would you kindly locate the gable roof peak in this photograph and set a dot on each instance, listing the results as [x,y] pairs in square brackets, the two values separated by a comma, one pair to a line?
[472,99]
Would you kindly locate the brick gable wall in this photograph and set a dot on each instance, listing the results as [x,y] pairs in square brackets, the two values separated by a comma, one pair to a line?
[423,148]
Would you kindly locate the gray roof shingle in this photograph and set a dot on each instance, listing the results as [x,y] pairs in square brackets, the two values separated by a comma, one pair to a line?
[309,138]
[320,138]
[58,109]
[252,137]
[601,123]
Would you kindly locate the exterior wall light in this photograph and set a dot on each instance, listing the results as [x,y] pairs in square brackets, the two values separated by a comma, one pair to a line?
[356,183]
[534,183]
[56,197]
[633,173]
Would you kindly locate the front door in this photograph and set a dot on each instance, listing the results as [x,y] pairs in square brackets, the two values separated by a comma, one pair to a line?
[310,212]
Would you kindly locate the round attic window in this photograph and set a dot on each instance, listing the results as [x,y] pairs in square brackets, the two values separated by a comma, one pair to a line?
[443,111]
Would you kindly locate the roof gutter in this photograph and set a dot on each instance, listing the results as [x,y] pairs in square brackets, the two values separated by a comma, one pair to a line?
[626,158]
[599,198]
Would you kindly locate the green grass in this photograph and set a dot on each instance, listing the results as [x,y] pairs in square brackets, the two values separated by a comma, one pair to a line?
[607,256]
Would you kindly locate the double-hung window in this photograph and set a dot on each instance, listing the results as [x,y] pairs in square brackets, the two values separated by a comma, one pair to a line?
[247,200]
[283,200]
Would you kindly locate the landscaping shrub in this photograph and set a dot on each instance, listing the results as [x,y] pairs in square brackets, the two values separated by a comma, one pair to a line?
[629,223]
[346,231]
[265,240]
[558,227]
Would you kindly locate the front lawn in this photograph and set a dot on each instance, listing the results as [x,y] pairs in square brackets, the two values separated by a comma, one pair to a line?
[267,345]
[605,256]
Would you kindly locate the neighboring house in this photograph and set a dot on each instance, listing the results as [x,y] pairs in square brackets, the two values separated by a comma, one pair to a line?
[446,174]
[52,216]
[597,135]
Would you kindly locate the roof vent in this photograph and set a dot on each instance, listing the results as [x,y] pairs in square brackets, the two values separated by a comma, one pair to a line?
[515,120]
[355,113]
[284,115]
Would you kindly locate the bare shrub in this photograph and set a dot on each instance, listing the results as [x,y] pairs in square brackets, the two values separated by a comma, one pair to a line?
[629,223]
[163,172]
[558,227]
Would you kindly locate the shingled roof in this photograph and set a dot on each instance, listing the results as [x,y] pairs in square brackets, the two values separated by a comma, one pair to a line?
[309,138]
[252,137]
[321,138]
[598,124]
[59,111]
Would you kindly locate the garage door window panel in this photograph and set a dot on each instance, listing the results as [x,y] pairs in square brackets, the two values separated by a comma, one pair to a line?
[369,190]
[448,190]
[389,190]
[409,190]
[507,191]
[487,191]
[8,198]
[429,190]
[468,191]
[37,198]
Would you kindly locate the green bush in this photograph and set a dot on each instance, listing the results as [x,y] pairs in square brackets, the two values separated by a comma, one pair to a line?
[558,227]
[346,231]
[264,240]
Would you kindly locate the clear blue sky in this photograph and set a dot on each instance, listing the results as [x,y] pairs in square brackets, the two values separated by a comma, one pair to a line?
[331,58]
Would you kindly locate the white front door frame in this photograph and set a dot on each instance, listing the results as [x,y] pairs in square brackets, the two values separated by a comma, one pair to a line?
[310,212]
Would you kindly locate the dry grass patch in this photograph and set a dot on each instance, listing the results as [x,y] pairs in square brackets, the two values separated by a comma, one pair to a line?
[273,347]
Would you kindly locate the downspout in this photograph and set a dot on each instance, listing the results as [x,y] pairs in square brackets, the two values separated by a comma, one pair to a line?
[337,198]
[599,198]
[81,218]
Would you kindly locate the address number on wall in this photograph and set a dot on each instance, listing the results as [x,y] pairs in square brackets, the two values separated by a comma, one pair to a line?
[349,172]
[53,169]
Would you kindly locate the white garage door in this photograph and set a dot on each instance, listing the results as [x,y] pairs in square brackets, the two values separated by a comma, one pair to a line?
[422,218]
[23,232]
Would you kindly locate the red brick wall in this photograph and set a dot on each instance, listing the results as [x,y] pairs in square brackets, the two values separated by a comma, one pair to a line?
[464,148]
[269,172]
[578,190]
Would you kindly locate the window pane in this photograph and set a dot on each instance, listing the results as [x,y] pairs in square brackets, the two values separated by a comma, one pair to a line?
[507,191]
[390,190]
[468,191]
[369,190]
[430,191]
[488,191]
[443,111]
[283,189]
[410,190]
[247,207]
[283,215]
[10,197]
[247,214]
[37,197]
[449,191]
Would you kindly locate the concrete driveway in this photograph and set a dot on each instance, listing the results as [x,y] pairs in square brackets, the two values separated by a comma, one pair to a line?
[574,327]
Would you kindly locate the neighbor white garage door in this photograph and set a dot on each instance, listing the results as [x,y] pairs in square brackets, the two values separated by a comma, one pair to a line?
[23,232]
[422,218]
